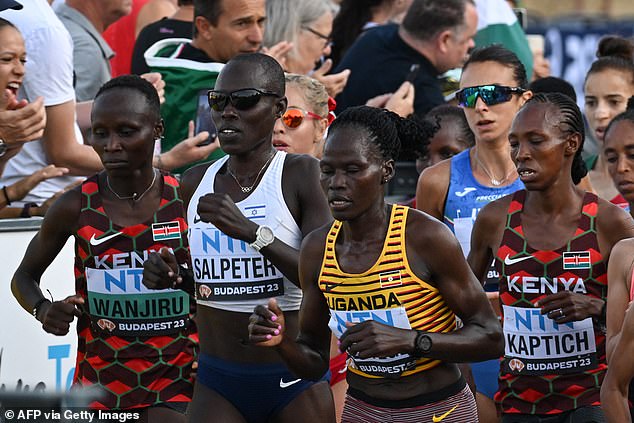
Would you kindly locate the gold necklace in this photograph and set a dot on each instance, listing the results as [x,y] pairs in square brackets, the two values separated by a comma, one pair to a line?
[257,177]
[134,197]
[494,181]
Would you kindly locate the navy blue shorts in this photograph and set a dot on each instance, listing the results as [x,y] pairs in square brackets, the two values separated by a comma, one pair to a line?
[258,392]
[485,375]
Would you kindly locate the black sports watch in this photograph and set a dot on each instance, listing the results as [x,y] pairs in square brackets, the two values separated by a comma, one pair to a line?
[26,210]
[422,344]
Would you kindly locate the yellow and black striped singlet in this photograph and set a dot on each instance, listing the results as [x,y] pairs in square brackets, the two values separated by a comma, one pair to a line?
[388,292]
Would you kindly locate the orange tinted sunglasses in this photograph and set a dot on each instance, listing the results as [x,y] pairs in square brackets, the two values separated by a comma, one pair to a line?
[293,117]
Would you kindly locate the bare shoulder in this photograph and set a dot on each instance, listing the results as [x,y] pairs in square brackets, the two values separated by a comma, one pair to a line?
[301,172]
[294,163]
[191,179]
[312,250]
[436,178]
[425,228]
[314,242]
[63,215]
[625,245]
[613,223]
[432,187]
[623,251]
[494,213]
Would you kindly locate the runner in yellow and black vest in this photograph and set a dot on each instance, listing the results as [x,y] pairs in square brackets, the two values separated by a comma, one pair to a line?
[389,282]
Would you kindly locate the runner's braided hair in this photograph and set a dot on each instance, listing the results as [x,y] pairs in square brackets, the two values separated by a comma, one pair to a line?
[388,132]
[569,121]
[135,82]
[446,114]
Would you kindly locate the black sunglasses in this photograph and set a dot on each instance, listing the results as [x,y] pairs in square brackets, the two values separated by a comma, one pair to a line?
[242,99]
[490,94]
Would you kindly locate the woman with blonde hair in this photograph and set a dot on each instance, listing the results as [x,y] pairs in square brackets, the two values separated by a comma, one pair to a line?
[301,128]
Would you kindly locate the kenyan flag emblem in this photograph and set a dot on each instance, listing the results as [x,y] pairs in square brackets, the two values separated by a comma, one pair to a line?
[577,260]
[166,230]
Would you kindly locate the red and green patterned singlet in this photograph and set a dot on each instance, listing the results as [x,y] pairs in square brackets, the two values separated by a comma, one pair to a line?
[137,344]
[549,368]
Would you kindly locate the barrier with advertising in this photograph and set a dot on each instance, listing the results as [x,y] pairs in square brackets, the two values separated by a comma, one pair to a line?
[571,46]
[30,357]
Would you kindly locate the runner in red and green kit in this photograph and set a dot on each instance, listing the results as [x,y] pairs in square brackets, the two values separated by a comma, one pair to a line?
[136,344]
[551,244]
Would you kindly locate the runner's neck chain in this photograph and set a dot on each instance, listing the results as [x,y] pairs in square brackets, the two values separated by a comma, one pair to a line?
[257,177]
[494,181]
[134,197]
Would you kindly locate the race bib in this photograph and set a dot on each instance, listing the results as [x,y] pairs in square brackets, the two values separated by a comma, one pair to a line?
[226,269]
[388,367]
[121,305]
[536,345]
[462,227]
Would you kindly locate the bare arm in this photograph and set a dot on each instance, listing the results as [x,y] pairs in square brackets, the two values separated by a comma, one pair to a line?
[308,355]
[60,142]
[480,338]
[431,189]
[614,390]
[56,228]
[485,237]
[619,277]
[83,109]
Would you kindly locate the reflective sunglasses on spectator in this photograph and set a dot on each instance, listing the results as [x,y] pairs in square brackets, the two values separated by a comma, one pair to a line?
[293,117]
[328,40]
[490,94]
[242,99]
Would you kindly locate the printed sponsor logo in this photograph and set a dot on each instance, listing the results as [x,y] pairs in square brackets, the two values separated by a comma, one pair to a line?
[577,260]
[466,191]
[489,198]
[390,279]
[516,365]
[106,324]
[442,416]
[287,384]
[96,241]
[204,291]
[166,230]
[509,261]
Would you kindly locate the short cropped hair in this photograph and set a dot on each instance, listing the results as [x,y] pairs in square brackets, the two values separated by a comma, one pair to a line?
[135,82]
[427,18]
